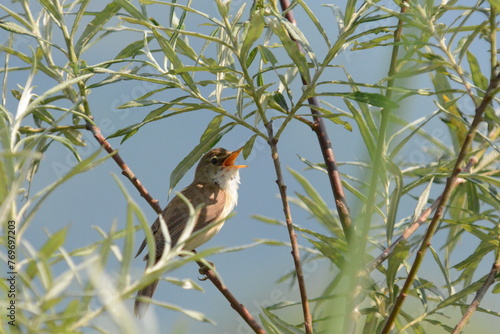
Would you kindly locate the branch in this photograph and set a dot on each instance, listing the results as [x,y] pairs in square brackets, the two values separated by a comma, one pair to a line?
[426,242]
[495,269]
[326,146]
[235,304]
[127,172]
[293,237]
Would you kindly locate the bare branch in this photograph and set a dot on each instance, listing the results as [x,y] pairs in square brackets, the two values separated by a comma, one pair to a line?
[289,223]
[326,147]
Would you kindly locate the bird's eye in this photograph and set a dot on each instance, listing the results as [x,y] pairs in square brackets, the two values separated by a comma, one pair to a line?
[214,161]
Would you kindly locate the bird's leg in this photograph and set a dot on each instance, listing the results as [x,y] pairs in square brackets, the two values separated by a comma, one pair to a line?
[204,268]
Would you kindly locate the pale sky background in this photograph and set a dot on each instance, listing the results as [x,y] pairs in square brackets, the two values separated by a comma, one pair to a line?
[94,198]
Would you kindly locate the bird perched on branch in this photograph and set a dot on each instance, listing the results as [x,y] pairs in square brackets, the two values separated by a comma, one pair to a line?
[215,191]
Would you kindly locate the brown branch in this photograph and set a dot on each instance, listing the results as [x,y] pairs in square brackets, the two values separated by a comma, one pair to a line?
[326,147]
[127,172]
[495,269]
[289,223]
[426,242]
[416,224]
[235,304]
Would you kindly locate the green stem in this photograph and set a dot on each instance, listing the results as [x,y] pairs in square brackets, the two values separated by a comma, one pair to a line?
[377,167]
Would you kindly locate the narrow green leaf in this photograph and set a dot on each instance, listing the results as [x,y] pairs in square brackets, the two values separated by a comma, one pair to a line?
[177,64]
[291,49]
[477,76]
[211,136]
[253,33]
[95,26]
[267,56]
[212,127]
[375,99]
[133,48]
[16,28]
[395,198]
[395,261]
[51,245]
[364,129]
[251,57]
[443,269]
[247,149]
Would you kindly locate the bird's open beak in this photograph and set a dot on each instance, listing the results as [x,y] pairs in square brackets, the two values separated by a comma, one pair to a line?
[229,162]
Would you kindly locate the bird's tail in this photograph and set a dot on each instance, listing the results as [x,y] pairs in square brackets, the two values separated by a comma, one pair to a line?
[140,307]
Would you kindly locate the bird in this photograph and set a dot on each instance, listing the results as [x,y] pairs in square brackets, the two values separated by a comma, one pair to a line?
[214,191]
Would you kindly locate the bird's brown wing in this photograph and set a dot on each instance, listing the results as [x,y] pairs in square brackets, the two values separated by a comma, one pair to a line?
[176,214]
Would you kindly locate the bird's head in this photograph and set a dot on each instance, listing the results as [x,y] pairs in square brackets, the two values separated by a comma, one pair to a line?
[217,166]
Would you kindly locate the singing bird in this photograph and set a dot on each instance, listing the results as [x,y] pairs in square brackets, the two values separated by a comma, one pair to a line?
[215,190]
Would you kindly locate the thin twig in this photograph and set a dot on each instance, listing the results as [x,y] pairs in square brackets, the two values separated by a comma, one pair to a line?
[326,146]
[416,224]
[293,237]
[426,242]
[495,269]
[127,172]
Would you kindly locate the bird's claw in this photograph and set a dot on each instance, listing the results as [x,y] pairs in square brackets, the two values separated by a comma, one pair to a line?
[204,271]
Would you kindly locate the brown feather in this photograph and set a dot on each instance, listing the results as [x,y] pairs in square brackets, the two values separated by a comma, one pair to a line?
[176,215]
[213,192]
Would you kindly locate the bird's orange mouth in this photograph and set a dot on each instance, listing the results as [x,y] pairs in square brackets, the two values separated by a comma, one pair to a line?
[229,162]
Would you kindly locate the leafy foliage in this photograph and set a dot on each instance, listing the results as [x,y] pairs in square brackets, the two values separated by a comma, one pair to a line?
[242,64]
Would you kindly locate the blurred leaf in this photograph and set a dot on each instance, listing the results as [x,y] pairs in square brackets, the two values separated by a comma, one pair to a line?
[281,326]
[364,129]
[443,269]
[377,100]
[395,198]
[187,283]
[458,130]
[470,264]
[317,206]
[495,4]
[51,245]
[399,255]
[461,295]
